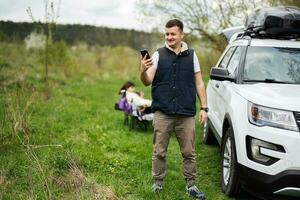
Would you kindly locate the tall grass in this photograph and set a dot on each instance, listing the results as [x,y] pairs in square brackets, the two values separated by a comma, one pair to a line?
[72,144]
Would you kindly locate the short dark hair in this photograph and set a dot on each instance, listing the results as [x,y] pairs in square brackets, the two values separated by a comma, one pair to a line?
[126,85]
[174,22]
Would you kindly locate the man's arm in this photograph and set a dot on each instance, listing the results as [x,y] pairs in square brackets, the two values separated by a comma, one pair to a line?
[146,75]
[148,69]
[200,88]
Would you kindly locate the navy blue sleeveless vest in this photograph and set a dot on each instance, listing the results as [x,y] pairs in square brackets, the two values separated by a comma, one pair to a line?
[173,86]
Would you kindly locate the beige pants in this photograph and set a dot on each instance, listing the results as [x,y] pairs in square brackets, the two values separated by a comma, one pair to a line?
[184,128]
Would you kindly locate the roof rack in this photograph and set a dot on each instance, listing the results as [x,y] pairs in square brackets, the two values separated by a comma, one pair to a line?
[228,33]
[274,22]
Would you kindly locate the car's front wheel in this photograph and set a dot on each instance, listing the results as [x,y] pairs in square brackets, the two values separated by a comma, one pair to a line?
[230,176]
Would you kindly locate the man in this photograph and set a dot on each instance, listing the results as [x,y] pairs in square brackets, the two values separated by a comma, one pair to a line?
[174,72]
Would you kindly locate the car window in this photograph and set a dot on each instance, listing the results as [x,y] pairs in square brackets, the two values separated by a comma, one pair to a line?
[234,61]
[272,63]
[226,58]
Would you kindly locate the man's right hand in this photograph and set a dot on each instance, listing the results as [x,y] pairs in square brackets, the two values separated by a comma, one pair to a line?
[145,64]
[147,70]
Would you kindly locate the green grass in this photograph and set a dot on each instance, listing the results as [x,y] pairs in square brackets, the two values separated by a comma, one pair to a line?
[80,117]
[74,145]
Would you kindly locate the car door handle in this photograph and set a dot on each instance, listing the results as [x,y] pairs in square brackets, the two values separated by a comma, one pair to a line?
[217,85]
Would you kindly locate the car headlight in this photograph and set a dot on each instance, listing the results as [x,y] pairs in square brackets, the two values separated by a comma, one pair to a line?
[264,116]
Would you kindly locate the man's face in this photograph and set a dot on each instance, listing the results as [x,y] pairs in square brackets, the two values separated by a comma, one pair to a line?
[173,36]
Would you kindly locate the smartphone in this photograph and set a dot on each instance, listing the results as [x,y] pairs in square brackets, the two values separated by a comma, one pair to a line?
[144,52]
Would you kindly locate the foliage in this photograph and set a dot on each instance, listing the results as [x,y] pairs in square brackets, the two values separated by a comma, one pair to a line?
[74,34]
[47,28]
[88,46]
[202,17]
[74,145]
[58,54]
[35,40]
[286,2]
[77,143]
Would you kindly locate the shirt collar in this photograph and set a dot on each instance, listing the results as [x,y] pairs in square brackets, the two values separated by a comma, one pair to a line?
[184,47]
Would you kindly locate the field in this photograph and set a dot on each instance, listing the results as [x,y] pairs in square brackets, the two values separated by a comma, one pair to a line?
[64,140]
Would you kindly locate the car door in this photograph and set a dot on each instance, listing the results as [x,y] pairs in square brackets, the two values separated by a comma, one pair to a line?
[226,90]
[220,91]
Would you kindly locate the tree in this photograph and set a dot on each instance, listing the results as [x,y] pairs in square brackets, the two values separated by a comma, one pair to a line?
[47,26]
[205,18]
[288,2]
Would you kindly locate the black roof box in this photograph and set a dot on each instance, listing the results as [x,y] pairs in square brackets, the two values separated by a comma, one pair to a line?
[274,22]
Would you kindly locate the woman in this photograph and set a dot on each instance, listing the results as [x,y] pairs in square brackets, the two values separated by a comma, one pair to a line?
[136,98]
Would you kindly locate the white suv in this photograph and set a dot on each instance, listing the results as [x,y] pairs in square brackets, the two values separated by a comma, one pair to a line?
[254,114]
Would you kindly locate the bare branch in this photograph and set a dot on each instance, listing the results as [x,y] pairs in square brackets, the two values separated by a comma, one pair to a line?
[202,17]
[47,26]
[29,11]
[58,10]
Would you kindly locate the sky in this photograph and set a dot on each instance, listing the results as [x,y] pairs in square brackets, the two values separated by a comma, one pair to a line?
[110,13]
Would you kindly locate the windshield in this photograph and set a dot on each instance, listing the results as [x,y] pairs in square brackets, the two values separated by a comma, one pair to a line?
[272,64]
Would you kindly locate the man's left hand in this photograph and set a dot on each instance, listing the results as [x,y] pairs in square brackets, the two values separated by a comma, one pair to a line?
[202,117]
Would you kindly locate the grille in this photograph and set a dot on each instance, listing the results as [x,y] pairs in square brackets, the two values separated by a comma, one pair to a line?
[297,116]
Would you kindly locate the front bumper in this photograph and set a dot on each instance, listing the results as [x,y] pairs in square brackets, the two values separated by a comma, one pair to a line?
[285,185]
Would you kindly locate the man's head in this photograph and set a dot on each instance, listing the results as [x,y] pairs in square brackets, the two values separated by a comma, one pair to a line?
[174,33]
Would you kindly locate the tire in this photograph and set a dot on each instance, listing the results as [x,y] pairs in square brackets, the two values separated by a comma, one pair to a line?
[208,135]
[229,174]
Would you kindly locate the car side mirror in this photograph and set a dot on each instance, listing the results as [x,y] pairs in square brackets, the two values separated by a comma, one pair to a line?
[220,74]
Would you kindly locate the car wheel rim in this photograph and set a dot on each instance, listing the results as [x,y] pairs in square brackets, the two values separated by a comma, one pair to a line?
[227,161]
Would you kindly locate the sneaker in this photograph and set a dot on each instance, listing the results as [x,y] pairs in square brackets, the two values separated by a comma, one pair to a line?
[156,188]
[193,191]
